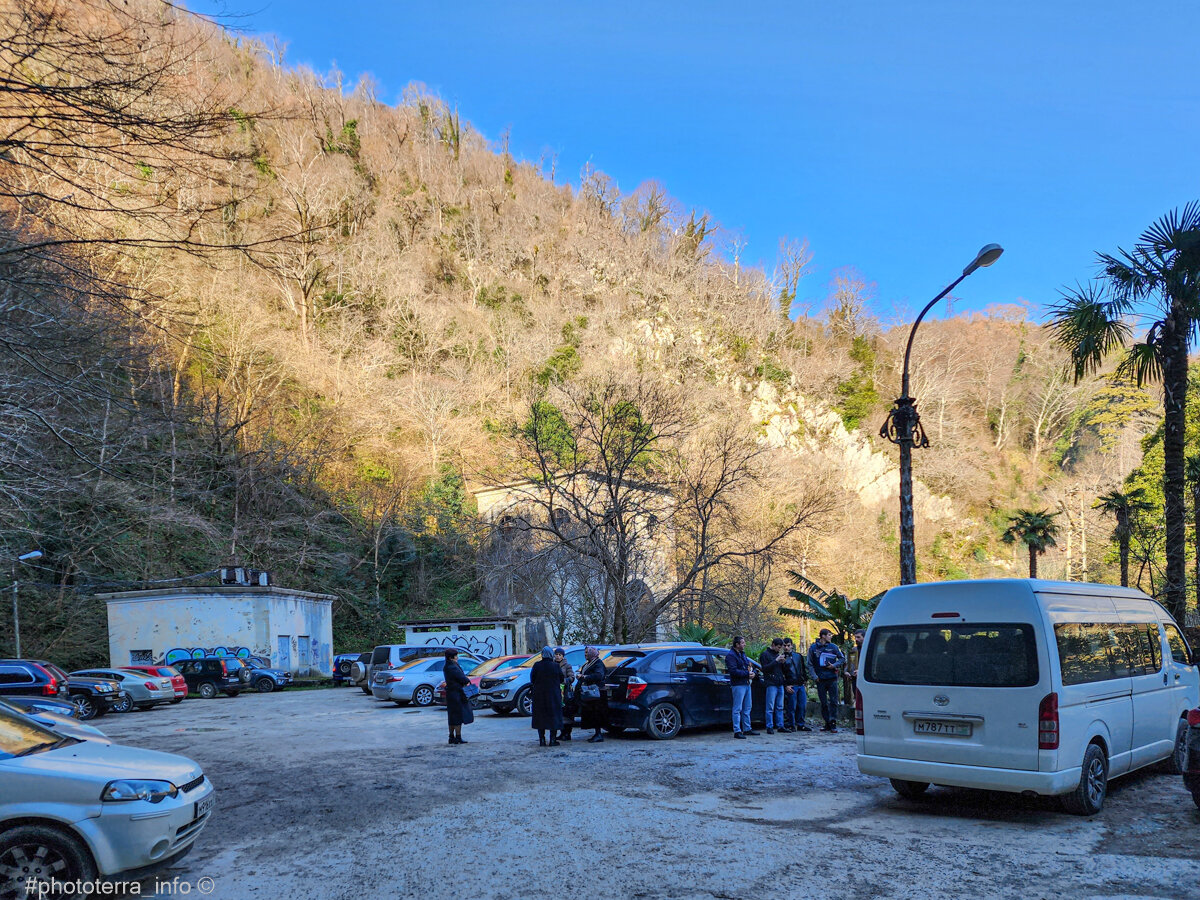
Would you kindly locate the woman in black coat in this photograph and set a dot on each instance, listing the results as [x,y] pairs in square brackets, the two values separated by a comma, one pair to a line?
[593,710]
[458,707]
[545,681]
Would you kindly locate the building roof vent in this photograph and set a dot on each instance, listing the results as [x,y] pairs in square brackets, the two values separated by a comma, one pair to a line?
[245,576]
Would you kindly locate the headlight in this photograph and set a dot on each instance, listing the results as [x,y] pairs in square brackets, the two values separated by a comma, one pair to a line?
[132,789]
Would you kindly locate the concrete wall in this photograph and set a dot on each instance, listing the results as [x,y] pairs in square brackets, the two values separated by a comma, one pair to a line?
[293,629]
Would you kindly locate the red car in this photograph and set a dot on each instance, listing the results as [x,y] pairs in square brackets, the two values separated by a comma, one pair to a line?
[177,682]
[484,668]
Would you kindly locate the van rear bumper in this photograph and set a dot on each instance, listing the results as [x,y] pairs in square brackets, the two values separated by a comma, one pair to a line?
[980,777]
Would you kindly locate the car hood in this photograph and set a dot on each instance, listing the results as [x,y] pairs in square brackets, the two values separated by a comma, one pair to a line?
[71,727]
[106,762]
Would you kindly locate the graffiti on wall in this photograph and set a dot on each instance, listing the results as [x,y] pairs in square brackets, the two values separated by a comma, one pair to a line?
[181,653]
[483,647]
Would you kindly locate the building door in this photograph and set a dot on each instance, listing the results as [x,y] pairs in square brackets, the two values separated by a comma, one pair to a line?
[284,660]
[305,653]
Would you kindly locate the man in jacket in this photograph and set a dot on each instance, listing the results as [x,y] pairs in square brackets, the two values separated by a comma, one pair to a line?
[827,659]
[771,661]
[740,676]
[795,690]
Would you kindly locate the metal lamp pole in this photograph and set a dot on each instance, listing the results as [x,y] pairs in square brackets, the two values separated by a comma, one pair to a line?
[903,424]
[24,557]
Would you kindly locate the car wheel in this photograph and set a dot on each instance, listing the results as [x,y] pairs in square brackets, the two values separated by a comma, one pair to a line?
[1174,763]
[33,855]
[264,685]
[124,705]
[1088,797]
[524,702]
[366,690]
[664,721]
[207,691]
[423,696]
[909,790]
[84,707]
[501,710]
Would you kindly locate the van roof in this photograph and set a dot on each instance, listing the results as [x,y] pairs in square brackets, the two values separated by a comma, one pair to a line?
[1037,585]
[975,597]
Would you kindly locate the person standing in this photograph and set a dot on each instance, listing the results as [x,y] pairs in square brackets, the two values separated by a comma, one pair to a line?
[771,662]
[740,677]
[570,704]
[827,659]
[545,680]
[593,694]
[458,707]
[853,655]
[795,692]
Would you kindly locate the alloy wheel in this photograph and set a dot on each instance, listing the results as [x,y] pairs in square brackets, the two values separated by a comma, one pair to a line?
[423,696]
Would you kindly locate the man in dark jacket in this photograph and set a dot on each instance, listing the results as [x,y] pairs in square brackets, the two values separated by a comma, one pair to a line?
[827,660]
[740,677]
[771,661]
[795,689]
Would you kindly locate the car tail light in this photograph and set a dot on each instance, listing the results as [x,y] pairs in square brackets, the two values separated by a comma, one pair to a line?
[1048,723]
[1194,717]
[151,686]
[224,668]
[635,687]
[858,712]
[395,678]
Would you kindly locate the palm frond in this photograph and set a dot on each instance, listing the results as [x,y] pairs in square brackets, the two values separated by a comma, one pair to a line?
[1089,326]
[808,586]
[1177,231]
[1142,361]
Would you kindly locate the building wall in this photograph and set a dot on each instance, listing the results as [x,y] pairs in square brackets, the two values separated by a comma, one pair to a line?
[239,622]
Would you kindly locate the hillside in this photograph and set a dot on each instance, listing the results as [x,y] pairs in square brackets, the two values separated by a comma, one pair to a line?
[253,316]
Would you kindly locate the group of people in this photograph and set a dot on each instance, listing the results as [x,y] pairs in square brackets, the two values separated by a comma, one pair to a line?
[785,674]
[557,691]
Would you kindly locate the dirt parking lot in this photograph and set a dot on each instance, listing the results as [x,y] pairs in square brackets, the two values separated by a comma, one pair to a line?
[332,794]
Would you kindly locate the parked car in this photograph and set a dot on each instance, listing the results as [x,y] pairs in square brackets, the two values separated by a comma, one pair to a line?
[60,706]
[358,672]
[178,682]
[663,689]
[509,690]
[38,678]
[342,664]
[414,681]
[264,679]
[141,691]
[392,656]
[72,810]
[487,667]
[63,722]
[1021,685]
[212,675]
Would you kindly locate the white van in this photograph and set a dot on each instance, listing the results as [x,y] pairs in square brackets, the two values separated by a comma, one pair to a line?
[1039,687]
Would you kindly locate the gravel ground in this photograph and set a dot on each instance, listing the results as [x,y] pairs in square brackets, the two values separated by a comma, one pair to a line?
[332,794]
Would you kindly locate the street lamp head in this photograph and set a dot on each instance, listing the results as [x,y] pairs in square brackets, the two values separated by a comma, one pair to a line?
[32,554]
[987,255]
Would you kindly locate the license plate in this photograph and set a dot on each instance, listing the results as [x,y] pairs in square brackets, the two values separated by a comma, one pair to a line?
[205,806]
[947,729]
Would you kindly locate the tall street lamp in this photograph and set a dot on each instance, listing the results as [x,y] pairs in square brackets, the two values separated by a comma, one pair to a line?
[903,425]
[24,557]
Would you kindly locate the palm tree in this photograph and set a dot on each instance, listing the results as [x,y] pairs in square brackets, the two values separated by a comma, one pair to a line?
[843,615]
[699,633]
[1192,474]
[1036,530]
[1156,285]
[1122,505]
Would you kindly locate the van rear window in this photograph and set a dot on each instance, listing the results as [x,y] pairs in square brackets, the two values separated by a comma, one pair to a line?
[986,655]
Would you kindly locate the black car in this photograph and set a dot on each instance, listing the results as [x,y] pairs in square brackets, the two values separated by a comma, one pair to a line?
[212,675]
[91,697]
[662,691]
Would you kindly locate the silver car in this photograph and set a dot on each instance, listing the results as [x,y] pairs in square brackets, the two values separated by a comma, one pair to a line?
[72,810]
[142,691]
[413,682]
[63,724]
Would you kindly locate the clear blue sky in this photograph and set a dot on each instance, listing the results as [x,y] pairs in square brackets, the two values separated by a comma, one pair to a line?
[896,137]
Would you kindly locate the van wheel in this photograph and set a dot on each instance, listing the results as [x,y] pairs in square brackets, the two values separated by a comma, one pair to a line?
[1173,764]
[909,790]
[1088,797]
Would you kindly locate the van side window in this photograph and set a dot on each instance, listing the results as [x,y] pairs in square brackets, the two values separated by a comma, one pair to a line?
[1142,647]
[1090,652]
[1177,643]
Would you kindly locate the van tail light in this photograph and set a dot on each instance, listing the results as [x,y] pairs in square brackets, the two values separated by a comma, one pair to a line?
[858,712]
[635,687]
[1048,723]
[1194,717]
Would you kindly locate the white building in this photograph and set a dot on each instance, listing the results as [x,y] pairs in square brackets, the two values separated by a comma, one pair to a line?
[293,629]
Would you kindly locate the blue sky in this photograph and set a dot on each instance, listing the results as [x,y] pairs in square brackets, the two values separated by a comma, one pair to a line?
[896,137]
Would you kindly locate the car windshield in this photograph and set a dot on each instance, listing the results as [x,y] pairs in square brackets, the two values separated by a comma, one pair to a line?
[496,665]
[21,736]
[615,659]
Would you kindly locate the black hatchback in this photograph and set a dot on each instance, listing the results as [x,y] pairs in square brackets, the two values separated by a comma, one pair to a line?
[662,691]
